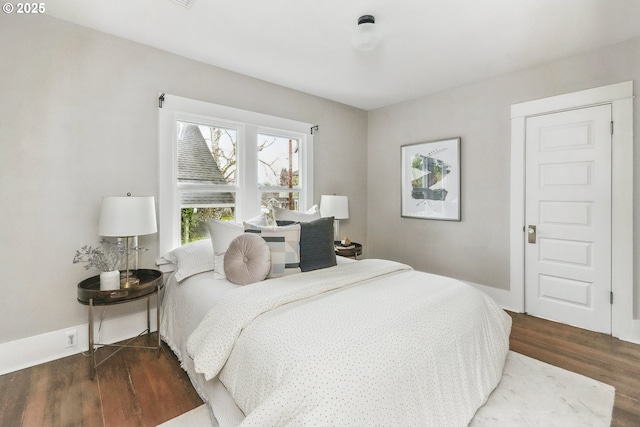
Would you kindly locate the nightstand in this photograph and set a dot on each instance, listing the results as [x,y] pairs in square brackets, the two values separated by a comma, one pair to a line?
[352,250]
[89,293]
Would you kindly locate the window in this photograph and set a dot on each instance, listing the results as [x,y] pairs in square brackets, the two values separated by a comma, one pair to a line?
[221,162]
[206,168]
[279,171]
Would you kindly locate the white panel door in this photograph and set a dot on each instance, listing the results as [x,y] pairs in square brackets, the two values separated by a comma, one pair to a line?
[568,217]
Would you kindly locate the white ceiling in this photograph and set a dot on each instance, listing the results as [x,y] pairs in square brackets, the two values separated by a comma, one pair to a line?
[427,46]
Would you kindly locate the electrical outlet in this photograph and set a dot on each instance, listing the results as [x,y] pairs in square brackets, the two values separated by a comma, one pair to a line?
[71,339]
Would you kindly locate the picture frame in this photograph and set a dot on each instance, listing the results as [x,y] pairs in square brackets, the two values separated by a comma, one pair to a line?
[430,182]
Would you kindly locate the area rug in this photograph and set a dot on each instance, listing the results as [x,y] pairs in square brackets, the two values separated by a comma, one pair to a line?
[530,394]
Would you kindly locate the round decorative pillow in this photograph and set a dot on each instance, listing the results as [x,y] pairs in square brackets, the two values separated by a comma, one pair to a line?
[247,260]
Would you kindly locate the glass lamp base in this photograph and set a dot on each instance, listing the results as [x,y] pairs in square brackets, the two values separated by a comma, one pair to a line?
[130,282]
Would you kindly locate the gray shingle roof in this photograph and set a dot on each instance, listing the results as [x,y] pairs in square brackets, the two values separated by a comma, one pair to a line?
[197,165]
[195,162]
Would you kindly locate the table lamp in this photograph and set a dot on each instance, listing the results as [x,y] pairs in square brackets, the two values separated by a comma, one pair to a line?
[126,217]
[337,207]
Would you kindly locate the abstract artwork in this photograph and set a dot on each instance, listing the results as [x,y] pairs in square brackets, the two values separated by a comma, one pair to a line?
[431,180]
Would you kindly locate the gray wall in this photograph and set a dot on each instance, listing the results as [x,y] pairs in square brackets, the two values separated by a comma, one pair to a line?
[476,249]
[79,120]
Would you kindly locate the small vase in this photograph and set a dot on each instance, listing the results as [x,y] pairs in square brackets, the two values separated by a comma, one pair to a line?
[110,280]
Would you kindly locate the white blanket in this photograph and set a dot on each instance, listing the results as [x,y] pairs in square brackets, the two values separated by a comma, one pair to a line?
[367,343]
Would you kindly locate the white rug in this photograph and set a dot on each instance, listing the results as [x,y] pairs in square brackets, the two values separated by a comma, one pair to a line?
[536,394]
[530,394]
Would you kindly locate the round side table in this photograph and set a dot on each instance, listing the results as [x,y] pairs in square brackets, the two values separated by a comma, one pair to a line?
[89,293]
[352,250]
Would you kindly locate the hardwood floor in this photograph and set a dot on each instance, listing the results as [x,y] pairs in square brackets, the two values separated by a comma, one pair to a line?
[135,388]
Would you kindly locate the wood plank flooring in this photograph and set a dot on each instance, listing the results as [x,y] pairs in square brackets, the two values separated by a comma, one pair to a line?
[134,388]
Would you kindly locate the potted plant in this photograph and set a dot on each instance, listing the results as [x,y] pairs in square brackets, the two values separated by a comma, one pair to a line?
[105,259]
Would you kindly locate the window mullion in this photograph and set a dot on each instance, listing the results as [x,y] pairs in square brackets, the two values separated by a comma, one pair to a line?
[249,206]
[306,177]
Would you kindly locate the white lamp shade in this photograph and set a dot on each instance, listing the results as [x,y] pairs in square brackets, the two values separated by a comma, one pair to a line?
[335,206]
[127,216]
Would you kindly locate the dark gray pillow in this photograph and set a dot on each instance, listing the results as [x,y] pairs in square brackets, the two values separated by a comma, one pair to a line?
[316,244]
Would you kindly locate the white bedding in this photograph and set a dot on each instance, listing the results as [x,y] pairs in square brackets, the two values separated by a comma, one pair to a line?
[184,305]
[366,343]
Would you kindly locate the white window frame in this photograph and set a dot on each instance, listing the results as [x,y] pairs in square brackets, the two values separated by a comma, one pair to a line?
[249,125]
[301,161]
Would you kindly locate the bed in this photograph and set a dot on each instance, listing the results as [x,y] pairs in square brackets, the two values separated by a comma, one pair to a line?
[370,342]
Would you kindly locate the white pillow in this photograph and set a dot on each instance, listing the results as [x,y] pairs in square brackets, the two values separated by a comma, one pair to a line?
[192,258]
[222,234]
[286,215]
[262,220]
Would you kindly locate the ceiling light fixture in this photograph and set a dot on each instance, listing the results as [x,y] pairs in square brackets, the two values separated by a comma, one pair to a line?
[367,35]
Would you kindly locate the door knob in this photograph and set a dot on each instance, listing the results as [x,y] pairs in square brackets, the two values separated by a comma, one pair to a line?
[531,231]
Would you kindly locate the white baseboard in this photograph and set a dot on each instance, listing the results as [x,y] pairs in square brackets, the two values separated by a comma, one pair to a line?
[504,298]
[31,351]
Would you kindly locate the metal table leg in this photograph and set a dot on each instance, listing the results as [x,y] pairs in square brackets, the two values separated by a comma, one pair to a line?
[92,355]
[148,316]
[158,319]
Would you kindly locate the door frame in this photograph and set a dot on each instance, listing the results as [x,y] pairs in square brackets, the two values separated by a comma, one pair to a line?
[620,96]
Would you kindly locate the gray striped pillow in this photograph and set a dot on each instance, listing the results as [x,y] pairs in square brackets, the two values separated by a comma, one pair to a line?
[284,245]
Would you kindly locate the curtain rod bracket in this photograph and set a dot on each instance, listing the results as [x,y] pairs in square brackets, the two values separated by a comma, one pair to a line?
[160,100]
[315,128]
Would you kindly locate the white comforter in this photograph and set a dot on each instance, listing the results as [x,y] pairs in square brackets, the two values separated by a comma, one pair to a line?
[366,343]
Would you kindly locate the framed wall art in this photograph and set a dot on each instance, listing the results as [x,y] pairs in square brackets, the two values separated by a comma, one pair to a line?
[431,180]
